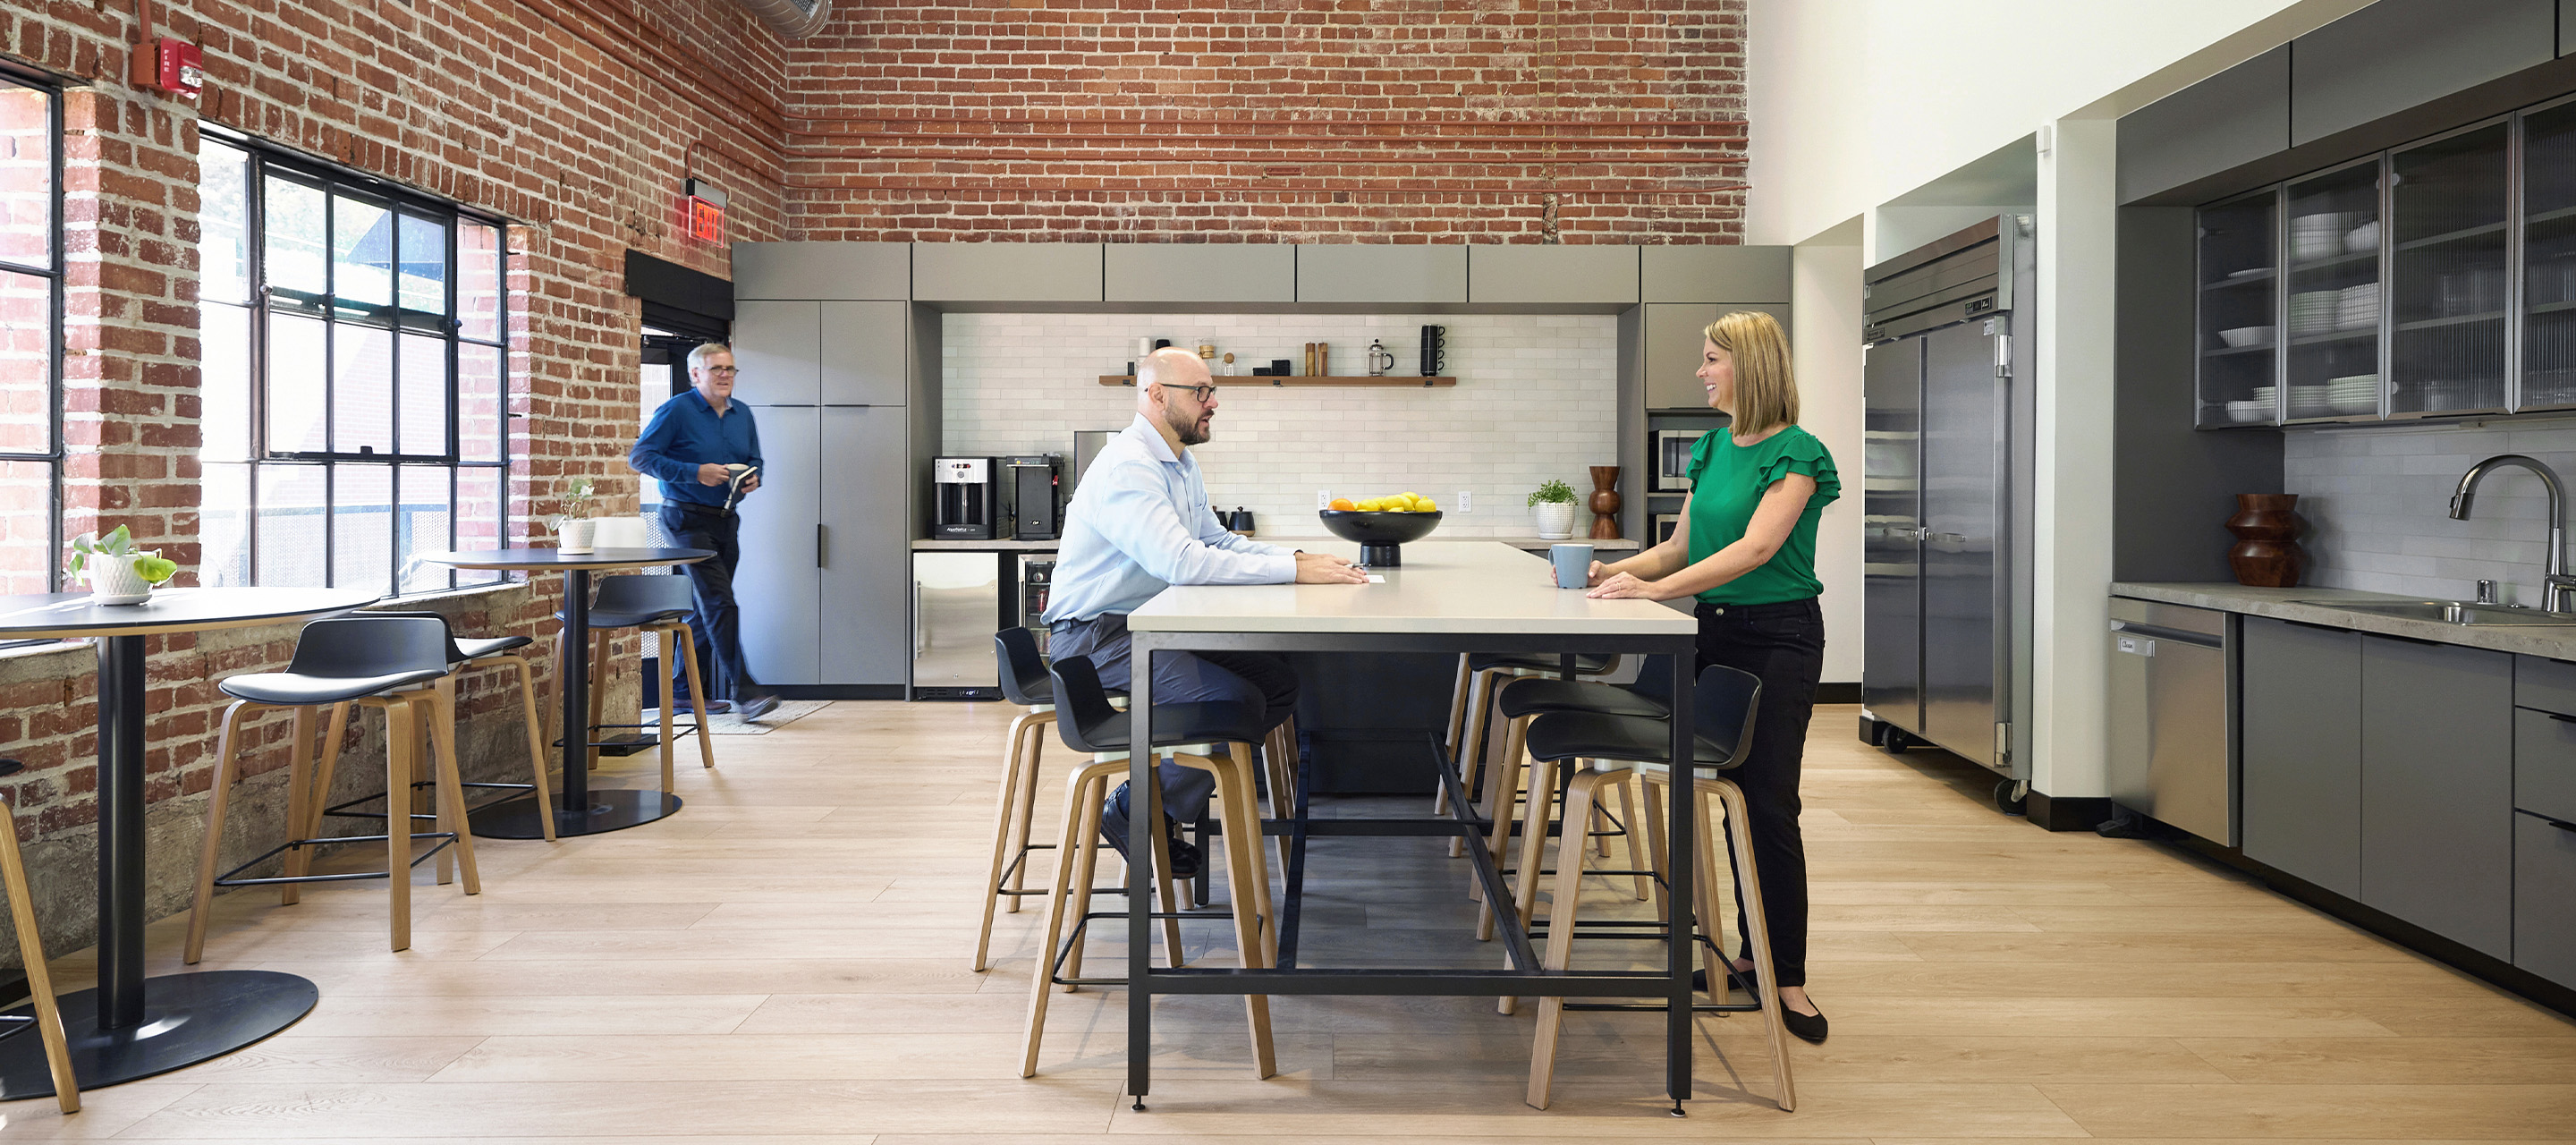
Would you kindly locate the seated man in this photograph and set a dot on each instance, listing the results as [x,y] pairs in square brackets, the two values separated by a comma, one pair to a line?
[1140,522]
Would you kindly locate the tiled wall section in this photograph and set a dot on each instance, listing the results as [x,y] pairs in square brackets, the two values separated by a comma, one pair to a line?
[2377,502]
[1536,398]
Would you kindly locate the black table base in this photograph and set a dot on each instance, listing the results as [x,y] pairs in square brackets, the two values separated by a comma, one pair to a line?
[603,809]
[187,1018]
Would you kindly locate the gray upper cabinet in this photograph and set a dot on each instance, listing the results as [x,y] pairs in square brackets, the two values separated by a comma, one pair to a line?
[862,347]
[2566,27]
[2302,749]
[1536,273]
[1183,273]
[1713,274]
[2395,54]
[1379,273]
[1674,334]
[2437,788]
[2232,118]
[778,346]
[822,270]
[1006,272]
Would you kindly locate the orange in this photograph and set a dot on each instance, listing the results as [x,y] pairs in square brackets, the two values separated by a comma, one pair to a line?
[1344,504]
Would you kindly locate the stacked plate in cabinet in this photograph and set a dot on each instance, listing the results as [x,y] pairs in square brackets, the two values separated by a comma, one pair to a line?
[2258,409]
[2315,312]
[2344,396]
[2322,235]
[2357,307]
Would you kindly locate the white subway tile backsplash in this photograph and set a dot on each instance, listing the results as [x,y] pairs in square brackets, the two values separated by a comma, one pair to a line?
[1537,398]
[2378,504]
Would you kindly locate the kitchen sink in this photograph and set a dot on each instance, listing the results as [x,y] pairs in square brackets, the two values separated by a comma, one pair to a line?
[2449,612]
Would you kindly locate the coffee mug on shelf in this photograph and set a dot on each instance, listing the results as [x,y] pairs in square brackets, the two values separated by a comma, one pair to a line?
[1434,341]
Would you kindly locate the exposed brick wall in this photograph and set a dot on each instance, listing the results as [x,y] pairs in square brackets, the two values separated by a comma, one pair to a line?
[1165,120]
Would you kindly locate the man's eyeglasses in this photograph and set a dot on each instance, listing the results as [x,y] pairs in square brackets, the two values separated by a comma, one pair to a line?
[1200,393]
[722,369]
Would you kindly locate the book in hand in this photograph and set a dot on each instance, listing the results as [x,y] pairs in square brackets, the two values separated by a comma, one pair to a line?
[733,485]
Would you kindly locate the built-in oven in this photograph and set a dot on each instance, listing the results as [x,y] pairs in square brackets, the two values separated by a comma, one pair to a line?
[1668,467]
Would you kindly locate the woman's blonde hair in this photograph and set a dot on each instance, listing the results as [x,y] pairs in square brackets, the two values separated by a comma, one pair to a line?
[1766,392]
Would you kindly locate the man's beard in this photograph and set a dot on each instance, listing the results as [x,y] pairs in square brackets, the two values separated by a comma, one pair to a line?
[1187,431]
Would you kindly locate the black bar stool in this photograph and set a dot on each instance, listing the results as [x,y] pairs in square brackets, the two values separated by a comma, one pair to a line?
[1183,733]
[388,662]
[1723,706]
[1480,675]
[1524,699]
[1023,673]
[656,604]
[47,1019]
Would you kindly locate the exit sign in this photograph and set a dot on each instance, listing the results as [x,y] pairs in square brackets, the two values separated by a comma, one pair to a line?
[705,211]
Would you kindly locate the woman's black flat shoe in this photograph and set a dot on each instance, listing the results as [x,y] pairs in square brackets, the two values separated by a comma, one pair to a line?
[1810,1027]
[1743,981]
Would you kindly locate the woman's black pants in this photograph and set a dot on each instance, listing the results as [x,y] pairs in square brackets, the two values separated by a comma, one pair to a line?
[1784,644]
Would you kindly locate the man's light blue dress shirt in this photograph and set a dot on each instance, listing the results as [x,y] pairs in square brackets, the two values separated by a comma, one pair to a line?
[1139,523]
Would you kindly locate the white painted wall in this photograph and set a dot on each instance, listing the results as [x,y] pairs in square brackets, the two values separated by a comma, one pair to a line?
[1824,342]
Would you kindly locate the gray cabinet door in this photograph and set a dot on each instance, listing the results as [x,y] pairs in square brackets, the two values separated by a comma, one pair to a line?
[822,270]
[1377,272]
[2544,882]
[775,585]
[1713,273]
[1199,272]
[778,346]
[2301,692]
[1674,334]
[2228,120]
[2437,788]
[1530,272]
[862,362]
[1006,272]
[2396,54]
[864,547]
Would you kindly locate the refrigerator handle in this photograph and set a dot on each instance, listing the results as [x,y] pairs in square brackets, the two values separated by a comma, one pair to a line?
[818,545]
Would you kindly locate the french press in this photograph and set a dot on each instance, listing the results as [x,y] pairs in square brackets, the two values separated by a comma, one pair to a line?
[1379,360]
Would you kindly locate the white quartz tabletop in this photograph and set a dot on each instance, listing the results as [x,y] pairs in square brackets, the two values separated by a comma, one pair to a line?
[1442,587]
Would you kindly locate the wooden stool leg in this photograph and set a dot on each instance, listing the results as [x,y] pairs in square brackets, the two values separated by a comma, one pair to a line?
[1470,755]
[1080,805]
[1502,791]
[402,738]
[1561,916]
[1279,763]
[1252,881]
[1599,829]
[1655,851]
[545,795]
[1168,901]
[1457,727]
[1712,900]
[598,692]
[1244,874]
[1739,831]
[226,770]
[327,770]
[1002,819]
[31,954]
[1028,805]
[1533,853]
[1087,831]
[443,708]
[300,799]
[698,688]
[664,710]
[1636,852]
[451,788]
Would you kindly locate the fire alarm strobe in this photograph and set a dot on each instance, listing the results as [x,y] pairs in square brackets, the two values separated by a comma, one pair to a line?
[170,65]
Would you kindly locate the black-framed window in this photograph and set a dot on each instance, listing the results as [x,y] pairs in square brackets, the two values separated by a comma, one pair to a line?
[31,336]
[355,341]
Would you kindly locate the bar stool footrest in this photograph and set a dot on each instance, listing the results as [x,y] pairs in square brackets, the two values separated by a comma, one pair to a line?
[227,879]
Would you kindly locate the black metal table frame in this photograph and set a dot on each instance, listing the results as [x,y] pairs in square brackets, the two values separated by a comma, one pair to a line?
[1524,976]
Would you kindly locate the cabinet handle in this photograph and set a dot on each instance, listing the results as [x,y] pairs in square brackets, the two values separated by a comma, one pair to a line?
[2557,717]
[2561,824]
[818,545]
[2317,626]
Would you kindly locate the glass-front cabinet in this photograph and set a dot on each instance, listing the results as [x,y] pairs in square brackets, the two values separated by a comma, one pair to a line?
[2449,204]
[2334,310]
[2549,258]
[2240,247]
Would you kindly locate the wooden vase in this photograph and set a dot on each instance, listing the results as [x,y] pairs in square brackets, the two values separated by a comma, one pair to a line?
[2267,553]
[1605,502]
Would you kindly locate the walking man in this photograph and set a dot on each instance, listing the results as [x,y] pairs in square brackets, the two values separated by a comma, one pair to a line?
[691,445]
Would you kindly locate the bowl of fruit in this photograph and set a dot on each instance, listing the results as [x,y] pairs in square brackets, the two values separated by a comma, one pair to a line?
[1380,524]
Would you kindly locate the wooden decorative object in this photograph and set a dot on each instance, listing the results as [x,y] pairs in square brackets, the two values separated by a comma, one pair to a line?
[2267,552]
[1605,502]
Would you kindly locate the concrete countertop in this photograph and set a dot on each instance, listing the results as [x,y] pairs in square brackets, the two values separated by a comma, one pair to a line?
[2555,642]
[1479,586]
[1001,546]
[1009,546]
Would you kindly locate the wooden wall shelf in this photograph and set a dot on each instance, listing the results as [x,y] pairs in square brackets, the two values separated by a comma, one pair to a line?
[1284,382]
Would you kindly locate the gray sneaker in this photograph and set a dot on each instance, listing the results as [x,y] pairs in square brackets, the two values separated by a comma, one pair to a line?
[751,709]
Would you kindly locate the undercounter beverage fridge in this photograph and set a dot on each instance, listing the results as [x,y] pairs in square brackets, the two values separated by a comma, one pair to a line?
[1947,431]
[956,607]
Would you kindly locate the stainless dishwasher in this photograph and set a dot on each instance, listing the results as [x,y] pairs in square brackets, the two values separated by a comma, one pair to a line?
[2172,709]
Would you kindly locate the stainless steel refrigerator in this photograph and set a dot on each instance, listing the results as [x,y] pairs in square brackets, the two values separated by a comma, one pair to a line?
[1948,421]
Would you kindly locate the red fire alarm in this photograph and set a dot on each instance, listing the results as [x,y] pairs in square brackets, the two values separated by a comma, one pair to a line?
[705,211]
[169,65]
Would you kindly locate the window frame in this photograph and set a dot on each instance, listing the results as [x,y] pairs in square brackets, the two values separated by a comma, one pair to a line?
[56,278]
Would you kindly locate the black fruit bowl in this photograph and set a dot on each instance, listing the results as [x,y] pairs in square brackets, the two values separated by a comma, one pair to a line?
[1379,534]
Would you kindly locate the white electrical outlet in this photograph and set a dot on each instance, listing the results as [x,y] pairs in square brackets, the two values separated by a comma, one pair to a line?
[1466,501]
[1323,498]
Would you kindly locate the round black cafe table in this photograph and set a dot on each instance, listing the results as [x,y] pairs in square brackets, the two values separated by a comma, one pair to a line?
[578,809]
[130,1026]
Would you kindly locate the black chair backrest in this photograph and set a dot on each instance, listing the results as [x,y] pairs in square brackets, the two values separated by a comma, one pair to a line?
[355,647]
[1082,705]
[1722,708]
[659,593]
[455,655]
[1655,678]
[1024,672]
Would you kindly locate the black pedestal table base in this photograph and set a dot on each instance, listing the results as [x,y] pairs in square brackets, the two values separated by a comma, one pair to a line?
[187,1018]
[603,810]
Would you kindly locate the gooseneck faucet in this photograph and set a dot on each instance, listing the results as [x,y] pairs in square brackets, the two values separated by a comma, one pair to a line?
[2560,589]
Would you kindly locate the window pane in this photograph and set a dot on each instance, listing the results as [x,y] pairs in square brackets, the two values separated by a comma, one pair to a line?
[422,527]
[223,221]
[26,526]
[478,517]
[292,235]
[296,397]
[424,395]
[290,523]
[362,389]
[362,239]
[26,363]
[478,280]
[478,402]
[26,176]
[424,265]
[223,526]
[223,382]
[362,527]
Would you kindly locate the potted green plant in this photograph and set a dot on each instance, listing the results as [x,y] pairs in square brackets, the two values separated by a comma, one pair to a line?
[1554,505]
[574,529]
[117,572]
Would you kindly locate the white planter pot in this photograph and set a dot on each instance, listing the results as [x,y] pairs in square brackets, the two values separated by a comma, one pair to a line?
[112,580]
[1555,520]
[575,536]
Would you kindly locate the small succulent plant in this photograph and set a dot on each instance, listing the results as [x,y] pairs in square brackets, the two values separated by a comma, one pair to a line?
[578,494]
[118,544]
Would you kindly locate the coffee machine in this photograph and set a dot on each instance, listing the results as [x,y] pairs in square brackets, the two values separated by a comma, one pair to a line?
[968,493]
[1036,513]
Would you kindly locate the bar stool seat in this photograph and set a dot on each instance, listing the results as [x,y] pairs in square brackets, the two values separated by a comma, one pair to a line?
[1585,664]
[1532,695]
[293,690]
[474,649]
[47,1020]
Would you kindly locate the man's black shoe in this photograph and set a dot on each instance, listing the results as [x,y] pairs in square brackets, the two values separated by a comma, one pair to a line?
[755,707]
[1113,828]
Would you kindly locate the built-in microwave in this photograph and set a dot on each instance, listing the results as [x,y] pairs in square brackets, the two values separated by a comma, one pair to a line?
[1668,468]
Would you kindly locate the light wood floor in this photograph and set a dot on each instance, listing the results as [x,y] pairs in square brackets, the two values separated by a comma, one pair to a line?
[786,961]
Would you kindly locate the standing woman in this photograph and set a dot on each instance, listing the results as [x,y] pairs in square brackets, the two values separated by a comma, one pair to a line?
[1746,547]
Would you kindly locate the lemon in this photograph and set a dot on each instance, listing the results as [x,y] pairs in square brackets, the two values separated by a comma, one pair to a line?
[1426,505]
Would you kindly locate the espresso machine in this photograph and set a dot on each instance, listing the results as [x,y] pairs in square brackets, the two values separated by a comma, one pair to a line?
[1036,512]
[968,496]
